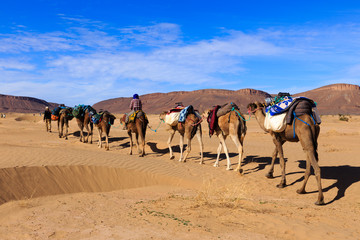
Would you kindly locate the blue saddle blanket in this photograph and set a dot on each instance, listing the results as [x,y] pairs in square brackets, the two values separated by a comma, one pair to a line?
[283,106]
[185,112]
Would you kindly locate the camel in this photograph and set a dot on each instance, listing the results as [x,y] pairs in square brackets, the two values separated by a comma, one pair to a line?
[189,129]
[65,116]
[85,121]
[233,125]
[107,119]
[139,128]
[306,134]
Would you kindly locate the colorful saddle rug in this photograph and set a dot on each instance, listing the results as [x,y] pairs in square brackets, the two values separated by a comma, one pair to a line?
[186,111]
[212,119]
[137,114]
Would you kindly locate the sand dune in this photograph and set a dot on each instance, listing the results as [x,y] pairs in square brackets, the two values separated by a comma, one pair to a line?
[51,188]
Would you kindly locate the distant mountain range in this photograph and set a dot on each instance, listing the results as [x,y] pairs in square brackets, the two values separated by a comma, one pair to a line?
[23,104]
[331,99]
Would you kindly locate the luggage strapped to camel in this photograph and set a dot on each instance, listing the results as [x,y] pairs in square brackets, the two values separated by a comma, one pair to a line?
[285,110]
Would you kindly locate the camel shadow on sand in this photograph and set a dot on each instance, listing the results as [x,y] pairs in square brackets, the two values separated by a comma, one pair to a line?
[344,175]
[261,161]
[163,151]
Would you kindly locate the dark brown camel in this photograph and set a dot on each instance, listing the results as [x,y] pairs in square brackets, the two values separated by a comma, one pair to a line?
[139,128]
[189,129]
[233,125]
[107,119]
[306,134]
[65,116]
[84,121]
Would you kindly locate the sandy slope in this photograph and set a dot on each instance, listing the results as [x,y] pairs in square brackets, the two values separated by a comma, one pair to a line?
[56,189]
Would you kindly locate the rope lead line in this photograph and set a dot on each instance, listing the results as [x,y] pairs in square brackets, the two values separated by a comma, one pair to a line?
[155,130]
[233,109]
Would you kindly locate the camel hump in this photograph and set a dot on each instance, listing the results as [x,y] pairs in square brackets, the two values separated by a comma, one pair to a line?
[227,107]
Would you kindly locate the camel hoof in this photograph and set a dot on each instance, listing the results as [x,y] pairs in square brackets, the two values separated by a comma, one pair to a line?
[269,175]
[172,157]
[201,163]
[320,203]
[240,171]
[280,185]
[229,169]
[299,191]
[216,165]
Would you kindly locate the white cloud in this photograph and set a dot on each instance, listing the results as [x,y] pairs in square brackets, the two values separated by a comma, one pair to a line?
[154,35]
[14,64]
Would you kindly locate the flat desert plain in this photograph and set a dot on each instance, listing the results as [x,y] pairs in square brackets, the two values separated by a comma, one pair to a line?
[52,188]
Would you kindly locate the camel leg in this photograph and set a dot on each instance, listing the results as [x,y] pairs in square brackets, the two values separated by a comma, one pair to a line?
[216,164]
[222,139]
[317,171]
[88,133]
[91,132]
[142,140]
[188,148]
[66,129]
[239,145]
[270,174]
[100,141]
[282,163]
[81,126]
[171,136]
[107,141]
[199,137]
[306,176]
[131,142]
[181,146]
[137,142]
[60,128]
[311,160]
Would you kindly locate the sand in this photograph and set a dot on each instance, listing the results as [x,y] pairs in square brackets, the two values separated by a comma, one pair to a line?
[52,188]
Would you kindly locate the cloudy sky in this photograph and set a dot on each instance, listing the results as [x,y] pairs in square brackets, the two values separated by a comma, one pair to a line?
[82,52]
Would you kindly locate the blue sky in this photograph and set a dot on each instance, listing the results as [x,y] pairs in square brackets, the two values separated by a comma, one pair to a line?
[82,52]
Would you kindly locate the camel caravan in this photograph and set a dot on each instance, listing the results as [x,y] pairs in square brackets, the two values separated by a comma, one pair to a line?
[285,118]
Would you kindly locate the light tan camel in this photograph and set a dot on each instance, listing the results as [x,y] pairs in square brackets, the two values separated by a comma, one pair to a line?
[65,115]
[84,121]
[139,128]
[189,129]
[306,134]
[107,119]
[233,125]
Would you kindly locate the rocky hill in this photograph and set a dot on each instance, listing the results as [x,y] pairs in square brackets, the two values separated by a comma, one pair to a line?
[23,104]
[200,99]
[336,98]
[331,99]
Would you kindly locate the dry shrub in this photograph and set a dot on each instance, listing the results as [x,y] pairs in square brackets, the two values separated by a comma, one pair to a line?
[229,196]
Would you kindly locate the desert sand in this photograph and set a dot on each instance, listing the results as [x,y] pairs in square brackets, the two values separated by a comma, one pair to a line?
[51,188]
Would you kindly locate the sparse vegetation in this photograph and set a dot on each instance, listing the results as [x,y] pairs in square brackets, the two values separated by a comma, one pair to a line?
[343,117]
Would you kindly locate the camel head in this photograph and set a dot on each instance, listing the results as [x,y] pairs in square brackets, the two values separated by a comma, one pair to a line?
[162,116]
[252,107]
[122,119]
[206,113]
